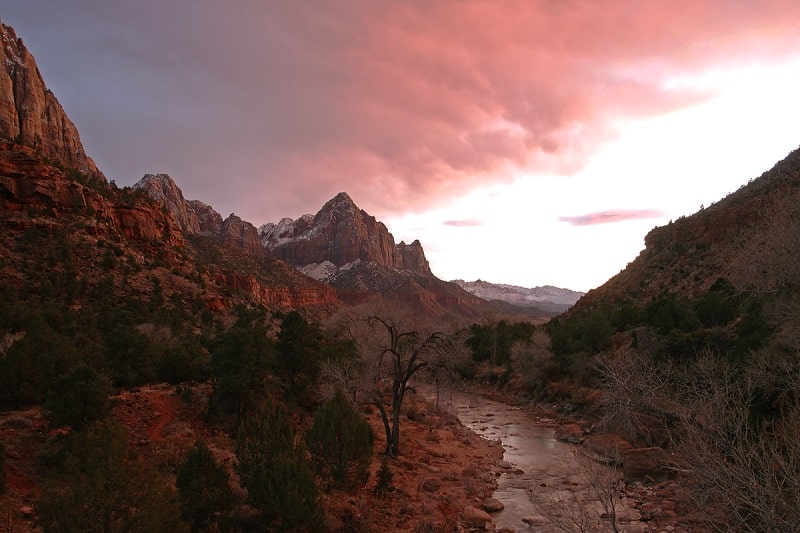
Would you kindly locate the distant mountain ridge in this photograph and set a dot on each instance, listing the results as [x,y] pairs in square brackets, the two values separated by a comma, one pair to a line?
[350,250]
[544,297]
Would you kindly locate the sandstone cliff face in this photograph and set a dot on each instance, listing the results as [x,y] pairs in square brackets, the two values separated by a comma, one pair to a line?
[28,185]
[241,235]
[164,190]
[284,296]
[30,113]
[341,233]
[197,218]
[412,257]
[209,221]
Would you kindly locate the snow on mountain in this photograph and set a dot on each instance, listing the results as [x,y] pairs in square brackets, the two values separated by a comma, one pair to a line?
[549,296]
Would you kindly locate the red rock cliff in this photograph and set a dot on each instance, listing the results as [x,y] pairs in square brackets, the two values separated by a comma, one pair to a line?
[29,112]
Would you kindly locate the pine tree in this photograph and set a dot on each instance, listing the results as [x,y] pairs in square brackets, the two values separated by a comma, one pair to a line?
[79,398]
[205,493]
[103,487]
[340,441]
[278,479]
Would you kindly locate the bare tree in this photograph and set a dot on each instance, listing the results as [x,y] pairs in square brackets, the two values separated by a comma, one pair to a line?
[401,355]
[636,396]
[769,254]
[393,348]
[768,261]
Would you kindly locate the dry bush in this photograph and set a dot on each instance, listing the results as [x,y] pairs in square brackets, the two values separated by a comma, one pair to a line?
[588,504]
[769,255]
[742,440]
[637,397]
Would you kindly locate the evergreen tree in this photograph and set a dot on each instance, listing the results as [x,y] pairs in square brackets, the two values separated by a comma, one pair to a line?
[278,479]
[384,483]
[298,352]
[240,363]
[205,493]
[79,398]
[103,487]
[340,441]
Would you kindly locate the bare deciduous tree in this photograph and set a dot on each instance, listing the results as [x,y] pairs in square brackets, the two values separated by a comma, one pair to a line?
[401,355]
[393,349]
[636,396]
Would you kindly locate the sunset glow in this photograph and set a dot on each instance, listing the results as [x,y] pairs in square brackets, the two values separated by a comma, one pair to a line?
[522,142]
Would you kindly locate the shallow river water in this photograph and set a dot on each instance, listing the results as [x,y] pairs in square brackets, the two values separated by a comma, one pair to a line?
[542,469]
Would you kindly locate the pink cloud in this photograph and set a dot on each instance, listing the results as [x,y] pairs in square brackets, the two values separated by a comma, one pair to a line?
[464,223]
[611,216]
[272,108]
[436,98]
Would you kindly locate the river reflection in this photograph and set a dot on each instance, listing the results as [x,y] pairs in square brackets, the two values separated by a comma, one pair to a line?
[539,463]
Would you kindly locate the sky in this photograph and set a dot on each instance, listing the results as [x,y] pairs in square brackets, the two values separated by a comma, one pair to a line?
[527,142]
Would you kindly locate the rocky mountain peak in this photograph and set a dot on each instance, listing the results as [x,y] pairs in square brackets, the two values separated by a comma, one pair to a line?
[164,190]
[340,234]
[197,218]
[29,112]
[340,201]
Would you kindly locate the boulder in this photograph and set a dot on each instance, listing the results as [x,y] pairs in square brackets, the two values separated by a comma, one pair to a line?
[431,485]
[607,447]
[569,433]
[477,518]
[644,464]
[492,505]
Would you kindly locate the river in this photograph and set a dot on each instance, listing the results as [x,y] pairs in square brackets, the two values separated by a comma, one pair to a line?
[546,485]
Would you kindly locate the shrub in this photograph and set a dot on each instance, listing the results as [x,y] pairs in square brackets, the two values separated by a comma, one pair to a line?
[102,486]
[385,476]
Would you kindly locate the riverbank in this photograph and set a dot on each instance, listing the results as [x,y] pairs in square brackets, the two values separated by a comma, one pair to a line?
[443,470]
[554,484]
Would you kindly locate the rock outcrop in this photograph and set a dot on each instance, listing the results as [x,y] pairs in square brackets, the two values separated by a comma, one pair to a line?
[606,447]
[241,235]
[412,257]
[208,219]
[645,464]
[29,112]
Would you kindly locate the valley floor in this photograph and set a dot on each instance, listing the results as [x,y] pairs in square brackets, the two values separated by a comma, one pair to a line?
[443,467]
